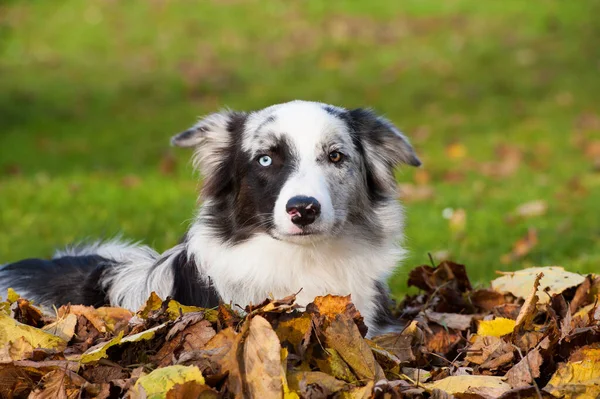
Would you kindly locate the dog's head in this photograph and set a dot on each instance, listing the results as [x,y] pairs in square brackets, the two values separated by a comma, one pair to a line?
[298,171]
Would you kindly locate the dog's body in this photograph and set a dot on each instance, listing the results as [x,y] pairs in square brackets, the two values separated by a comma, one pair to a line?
[298,197]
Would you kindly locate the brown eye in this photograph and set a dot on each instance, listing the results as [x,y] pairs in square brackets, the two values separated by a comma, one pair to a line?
[335,156]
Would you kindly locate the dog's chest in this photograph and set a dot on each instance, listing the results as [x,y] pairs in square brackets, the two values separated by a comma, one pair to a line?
[263,267]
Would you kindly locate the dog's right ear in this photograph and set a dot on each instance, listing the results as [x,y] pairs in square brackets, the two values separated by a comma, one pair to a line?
[212,139]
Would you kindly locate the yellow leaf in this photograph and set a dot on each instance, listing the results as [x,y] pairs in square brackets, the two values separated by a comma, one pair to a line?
[12,296]
[456,151]
[97,352]
[144,335]
[264,374]
[496,328]
[469,384]
[520,283]
[156,384]
[64,327]
[26,337]
[153,303]
[579,378]
[174,308]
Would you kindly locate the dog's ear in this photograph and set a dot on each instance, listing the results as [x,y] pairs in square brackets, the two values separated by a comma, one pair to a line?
[384,147]
[212,137]
[381,140]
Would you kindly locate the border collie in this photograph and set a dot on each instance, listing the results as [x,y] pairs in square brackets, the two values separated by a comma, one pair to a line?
[297,197]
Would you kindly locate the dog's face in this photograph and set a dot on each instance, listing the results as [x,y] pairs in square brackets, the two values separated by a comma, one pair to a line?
[299,171]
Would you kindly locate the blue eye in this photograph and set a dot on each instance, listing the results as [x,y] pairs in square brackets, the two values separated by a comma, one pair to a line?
[265,160]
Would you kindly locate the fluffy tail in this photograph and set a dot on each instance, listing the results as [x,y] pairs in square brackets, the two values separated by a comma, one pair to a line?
[109,272]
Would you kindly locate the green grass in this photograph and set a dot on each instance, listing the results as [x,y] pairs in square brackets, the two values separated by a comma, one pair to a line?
[90,93]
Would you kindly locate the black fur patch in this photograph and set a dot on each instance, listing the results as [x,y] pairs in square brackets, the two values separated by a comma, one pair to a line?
[383,317]
[69,279]
[189,288]
[242,192]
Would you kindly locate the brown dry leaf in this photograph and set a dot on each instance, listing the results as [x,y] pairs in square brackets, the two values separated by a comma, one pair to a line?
[523,373]
[192,389]
[450,320]
[274,305]
[470,384]
[185,321]
[581,295]
[89,312]
[359,392]
[314,384]
[528,311]
[63,327]
[446,274]
[263,372]
[115,319]
[489,349]
[579,378]
[532,209]
[509,160]
[330,362]
[412,193]
[417,375]
[26,313]
[385,359]
[188,338]
[15,381]
[59,384]
[442,341]
[528,340]
[522,247]
[486,300]
[342,335]
[555,281]
[399,345]
[104,319]
[328,307]
[295,330]
[227,317]
[224,348]
[531,392]
[18,340]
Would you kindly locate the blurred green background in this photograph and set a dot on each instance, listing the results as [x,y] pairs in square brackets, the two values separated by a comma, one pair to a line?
[501,100]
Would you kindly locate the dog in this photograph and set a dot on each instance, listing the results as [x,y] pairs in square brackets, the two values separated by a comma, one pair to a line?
[298,197]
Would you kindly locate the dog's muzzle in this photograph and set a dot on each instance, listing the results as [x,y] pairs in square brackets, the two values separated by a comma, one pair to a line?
[303,210]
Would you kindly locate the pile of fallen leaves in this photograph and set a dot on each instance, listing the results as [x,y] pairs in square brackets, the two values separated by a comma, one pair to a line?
[534,334]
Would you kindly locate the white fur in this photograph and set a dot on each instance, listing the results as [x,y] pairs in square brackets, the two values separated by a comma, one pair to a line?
[310,182]
[307,127]
[129,285]
[266,267]
[211,143]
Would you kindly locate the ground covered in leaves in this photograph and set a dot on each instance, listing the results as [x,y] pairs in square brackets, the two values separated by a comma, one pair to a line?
[534,333]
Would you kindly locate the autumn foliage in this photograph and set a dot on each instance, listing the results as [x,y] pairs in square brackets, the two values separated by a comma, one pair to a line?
[534,333]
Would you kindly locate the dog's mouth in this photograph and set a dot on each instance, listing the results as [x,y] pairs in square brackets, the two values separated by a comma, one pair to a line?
[297,237]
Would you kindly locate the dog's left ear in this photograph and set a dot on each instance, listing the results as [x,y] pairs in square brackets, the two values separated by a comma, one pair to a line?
[382,140]
[384,148]
[212,138]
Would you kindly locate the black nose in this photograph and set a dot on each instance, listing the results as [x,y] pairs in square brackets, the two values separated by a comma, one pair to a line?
[303,210]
